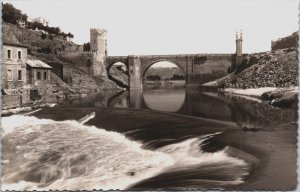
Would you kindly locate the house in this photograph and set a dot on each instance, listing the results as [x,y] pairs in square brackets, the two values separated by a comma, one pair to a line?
[14,57]
[40,20]
[21,23]
[38,72]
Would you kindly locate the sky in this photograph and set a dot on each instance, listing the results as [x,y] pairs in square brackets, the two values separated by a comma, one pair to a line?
[150,27]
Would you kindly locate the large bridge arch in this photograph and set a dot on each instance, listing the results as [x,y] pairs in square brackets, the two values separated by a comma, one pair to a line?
[146,66]
[146,63]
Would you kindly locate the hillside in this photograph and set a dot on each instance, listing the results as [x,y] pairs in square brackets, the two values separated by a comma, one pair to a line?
[48,49]
[35,41]
[277,68]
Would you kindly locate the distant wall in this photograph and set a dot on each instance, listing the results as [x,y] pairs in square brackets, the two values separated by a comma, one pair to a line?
[285,42]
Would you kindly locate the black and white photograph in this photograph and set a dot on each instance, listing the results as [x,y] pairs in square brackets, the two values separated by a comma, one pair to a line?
[143,95]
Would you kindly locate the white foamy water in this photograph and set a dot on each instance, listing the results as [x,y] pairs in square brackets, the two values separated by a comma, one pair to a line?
[41,154]
[188,153]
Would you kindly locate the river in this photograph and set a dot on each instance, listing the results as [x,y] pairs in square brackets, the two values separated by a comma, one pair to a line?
[173,138]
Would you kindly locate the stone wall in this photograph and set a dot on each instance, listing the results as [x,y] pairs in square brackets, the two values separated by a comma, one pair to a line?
[28,96]
[81,60]
[89,62]
[286,42]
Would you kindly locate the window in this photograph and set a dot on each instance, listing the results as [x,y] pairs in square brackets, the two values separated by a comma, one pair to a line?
[19,55]
[38,75]
[19,75]
[45,75]
[9,54]
[9,75]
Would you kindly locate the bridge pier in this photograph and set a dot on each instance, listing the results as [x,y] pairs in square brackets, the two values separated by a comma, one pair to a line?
[135,98]
[135,78]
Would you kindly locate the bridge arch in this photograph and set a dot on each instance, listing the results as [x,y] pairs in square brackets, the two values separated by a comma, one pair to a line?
[108,68]
[146,67]
[119,74]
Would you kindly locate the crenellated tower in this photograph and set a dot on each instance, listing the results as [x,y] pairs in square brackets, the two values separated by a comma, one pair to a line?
[98,41]
[98,45]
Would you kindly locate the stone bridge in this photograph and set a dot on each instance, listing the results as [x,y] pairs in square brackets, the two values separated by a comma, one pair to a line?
[198,68]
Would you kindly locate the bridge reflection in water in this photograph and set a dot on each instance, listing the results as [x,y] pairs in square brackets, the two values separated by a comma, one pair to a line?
[213,105]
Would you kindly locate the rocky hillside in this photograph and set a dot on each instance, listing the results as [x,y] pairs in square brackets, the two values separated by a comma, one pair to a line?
[277,68]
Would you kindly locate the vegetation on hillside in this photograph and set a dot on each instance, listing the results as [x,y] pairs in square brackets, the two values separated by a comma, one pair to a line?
[12,15]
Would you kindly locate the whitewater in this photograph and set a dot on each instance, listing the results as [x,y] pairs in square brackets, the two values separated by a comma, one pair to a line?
[42,154]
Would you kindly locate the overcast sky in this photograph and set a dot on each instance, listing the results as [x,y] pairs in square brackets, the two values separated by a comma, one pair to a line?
[170,26]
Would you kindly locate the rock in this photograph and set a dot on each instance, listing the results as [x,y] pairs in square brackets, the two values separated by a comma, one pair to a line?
[286,100]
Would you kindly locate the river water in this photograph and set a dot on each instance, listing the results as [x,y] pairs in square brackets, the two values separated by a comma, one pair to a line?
[171,138]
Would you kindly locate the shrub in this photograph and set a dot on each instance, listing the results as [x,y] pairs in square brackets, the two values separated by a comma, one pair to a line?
[43,36]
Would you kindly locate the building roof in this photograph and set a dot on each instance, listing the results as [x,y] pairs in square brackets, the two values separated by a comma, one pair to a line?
[12,43]
[36,63]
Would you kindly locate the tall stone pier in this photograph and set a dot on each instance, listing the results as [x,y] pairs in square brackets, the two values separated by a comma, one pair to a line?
[135,78]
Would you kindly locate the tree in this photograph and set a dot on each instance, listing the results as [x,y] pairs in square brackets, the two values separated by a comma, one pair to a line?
[43,36]
[153,77]
[70,35]
[11,15]
[177,77]
[50,36]
[86,47]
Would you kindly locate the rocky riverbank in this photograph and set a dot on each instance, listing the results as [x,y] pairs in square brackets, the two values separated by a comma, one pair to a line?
[278,97]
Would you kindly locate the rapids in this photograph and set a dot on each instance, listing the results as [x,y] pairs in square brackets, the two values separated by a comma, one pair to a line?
[42,154]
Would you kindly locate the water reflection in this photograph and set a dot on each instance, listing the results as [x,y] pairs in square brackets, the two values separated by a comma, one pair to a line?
[171,100]
[213,105]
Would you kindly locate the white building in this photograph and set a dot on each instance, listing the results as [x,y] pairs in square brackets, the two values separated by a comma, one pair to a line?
[40,20]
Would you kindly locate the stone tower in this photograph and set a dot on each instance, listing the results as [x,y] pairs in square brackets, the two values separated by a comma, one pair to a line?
[98,41]
[98,45]
[239,41]
[239,53]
